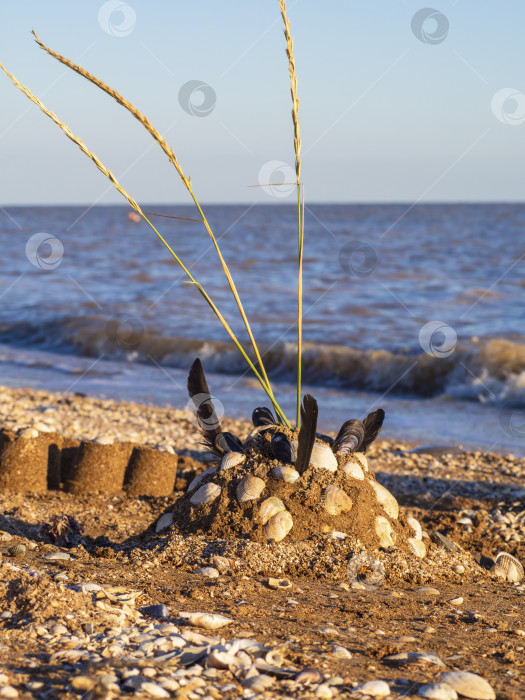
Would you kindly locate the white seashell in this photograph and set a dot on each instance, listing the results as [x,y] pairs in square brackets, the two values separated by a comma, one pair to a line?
[437,691]
[374,689]
[417,547]
[278,526]
[353,470]
[269,508]
[469,684]
[232,459]
[335,535]
[197,480]
[335,500]
[208,621]
[249,488]
[323,457]
[279,583]
[416,527]
[164,521]
[386,500]
[511,566]
[384,531]
[206,494]
[223,659]
[287,474]
[361,458]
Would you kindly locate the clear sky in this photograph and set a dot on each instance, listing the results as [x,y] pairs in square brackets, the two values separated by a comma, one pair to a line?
[385,115]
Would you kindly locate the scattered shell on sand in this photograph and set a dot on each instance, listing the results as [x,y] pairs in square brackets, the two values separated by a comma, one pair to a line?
[17,550]
[269,508]
[323,457]
[205,494]
[437,691]
[335,500]
[232,459]
[249,488]
[384,531]
[353,470]
[469,684]
[208,621]
[512,567]
[417,547]
[287,474]
[278,526]
[386,500]
[279,583]
[374,689]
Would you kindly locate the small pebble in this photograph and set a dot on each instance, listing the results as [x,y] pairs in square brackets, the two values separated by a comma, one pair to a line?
[455,601]
[156,611]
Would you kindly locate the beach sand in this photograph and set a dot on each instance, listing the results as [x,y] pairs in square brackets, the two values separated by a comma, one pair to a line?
[73,627]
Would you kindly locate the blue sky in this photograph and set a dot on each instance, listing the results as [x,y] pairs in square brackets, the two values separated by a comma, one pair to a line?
[384,115]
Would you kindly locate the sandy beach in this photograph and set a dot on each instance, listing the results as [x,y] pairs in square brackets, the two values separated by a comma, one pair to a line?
[75,617]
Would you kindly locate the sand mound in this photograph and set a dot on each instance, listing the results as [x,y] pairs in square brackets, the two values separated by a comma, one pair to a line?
[264,500]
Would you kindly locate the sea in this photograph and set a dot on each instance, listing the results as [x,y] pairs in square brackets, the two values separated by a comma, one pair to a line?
[418,309]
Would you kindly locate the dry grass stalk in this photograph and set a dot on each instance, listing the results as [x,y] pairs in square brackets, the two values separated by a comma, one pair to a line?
[300,208]
[293,81]
[92,156]
[187,182]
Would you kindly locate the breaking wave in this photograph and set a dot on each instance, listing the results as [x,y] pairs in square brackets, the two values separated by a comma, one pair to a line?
[485,370]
